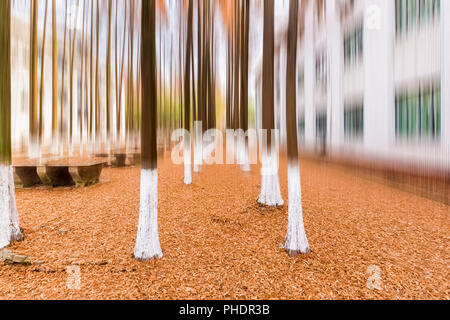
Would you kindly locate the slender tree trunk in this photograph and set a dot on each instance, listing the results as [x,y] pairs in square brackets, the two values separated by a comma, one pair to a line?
[122,58]
[296,241]
[34,145]
[41,89]
[171,88]
[237,64]
[61,125]
[108,76]
[82,78]
[180,59]
[201,91]
[244,82]
[229,103]
[187,99]
[54,77]
[213,69]
[131,72]
[97,89]
[72,62]
[116,67]
[91,76]
[194,100]
[147,242]
[270,186]
[204,76]
[9,222]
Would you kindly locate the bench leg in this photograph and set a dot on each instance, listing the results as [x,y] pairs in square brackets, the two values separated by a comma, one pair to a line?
[28,176]
[60,176]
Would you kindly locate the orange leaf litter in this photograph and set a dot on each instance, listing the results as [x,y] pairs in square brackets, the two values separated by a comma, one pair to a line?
[219,244]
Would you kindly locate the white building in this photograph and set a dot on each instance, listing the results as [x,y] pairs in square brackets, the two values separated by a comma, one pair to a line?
[373,81]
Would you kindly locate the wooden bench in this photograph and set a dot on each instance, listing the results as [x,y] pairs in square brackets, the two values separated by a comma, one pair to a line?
[60,173]
[26,171]
[70,172]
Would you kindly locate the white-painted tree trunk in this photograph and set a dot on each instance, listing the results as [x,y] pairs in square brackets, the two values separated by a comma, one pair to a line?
[296,241]
[270,185]
[187,162]
[147,242]
[9,221]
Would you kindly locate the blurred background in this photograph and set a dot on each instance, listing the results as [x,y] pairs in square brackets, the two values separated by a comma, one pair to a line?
[373,86]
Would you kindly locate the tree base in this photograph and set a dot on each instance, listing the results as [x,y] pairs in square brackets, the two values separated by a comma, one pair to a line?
[9,222]
[296,253]
[147,241]
[270,191]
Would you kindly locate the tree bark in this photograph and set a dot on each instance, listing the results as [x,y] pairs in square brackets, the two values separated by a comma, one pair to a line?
[41,89]
[54,74]
[33,79]
[296,241]
[61,125]
[187,96]
[72,61]
[9,222]
[5,83]
[270,186]
[82,77]
[108,74]
[147,242]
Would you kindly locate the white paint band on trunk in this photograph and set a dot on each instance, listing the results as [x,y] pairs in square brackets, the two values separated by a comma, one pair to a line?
[147,242]
[187,161]
[270,185]
[9,221]
[296,241]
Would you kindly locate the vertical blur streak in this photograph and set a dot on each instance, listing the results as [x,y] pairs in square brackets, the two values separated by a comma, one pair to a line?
[149,91]
[33,78]
[5,82]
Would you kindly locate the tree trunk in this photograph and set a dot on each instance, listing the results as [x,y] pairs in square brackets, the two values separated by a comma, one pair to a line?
[244,83]
[33,128]
[82,78]
[108,75]
[270,186]
[91,76]
[9,222]
[41,89]
[97,90]
[72,61]
[187,99]
[147,243]
[237,39]
[296,241]
[228,103]
[54,78]
[61,125]
[116,69]
[131,74]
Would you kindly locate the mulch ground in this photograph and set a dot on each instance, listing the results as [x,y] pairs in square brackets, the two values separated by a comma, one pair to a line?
[219,244]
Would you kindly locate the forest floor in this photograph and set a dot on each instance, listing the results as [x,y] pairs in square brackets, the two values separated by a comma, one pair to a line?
[219,244]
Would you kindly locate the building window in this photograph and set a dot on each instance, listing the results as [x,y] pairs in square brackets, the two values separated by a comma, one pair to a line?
[418,114]
[353,46]
[354,121]
[410,13]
